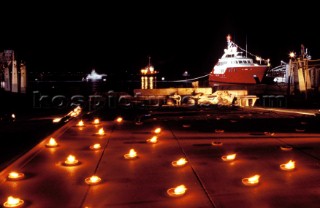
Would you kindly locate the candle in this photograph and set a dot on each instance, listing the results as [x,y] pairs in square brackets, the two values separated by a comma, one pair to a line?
[101,132]
[15,175]
[178,163]
[254,180]
[13,202]
[152,140]
[52,143]
[229,157]
[288,166]
[71,160]
[92,180]
[157,130]
[95,146]
[177,191]
[96,121]
[80,123]
[119,120]
[131,155]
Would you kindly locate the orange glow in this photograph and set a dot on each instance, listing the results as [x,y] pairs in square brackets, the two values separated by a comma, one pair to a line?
[229,157]
[157,130]
[15,175]
[93,180]
[132,154]
[95,146]
[71,160]
[288,166]
[251,181]
[216,143]
[101,131]
[177,191]
[178,163]
[52,143]
[96,121]
[153,140]
[219,131]
[286,148]
[80,123]
[119,120]
[13,202]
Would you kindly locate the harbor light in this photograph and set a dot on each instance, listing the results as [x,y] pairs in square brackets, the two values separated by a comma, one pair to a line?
[254,180]
[13,202]
[179,163]
[92,180]
[177,191]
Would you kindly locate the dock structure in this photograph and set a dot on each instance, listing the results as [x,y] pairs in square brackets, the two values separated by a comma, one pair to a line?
[90,163]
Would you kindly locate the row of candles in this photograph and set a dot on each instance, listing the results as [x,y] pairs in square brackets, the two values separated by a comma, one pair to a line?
[132,154]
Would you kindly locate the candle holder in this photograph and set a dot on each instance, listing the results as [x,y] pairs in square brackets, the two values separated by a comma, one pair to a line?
[179,163]
[216,143]
[228,157]
[52,143]
[177,191]
[92,180]
[288,166]
[13,202]
[71,161]
[14,176]
[252,181]
[286,148]
[152,140]
[131,155]
[96,146]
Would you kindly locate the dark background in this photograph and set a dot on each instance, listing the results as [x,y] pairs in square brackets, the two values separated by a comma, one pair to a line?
[118,37]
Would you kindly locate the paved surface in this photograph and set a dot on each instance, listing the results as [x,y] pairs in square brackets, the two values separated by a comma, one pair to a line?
[254,135]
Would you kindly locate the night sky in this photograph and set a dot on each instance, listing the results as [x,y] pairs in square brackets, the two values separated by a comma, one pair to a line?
[119,37]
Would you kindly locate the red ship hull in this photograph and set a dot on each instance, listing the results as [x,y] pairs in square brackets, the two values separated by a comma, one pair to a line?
[239,75]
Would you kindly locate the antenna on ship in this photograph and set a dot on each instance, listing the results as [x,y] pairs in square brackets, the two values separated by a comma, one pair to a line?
[246,47]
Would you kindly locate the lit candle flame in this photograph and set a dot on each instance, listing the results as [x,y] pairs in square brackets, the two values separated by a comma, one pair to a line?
[157,130]
[15,175]
[96,121]
[80,123]
[254,179]
[229,157]
[71,160]
[153,139]
[93,180]
[101,131]
[180,190]
[119,119]
[52,143]
[181,162]
[95,146]
[132,154]
[13,202]
[251,181]
[288,166]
